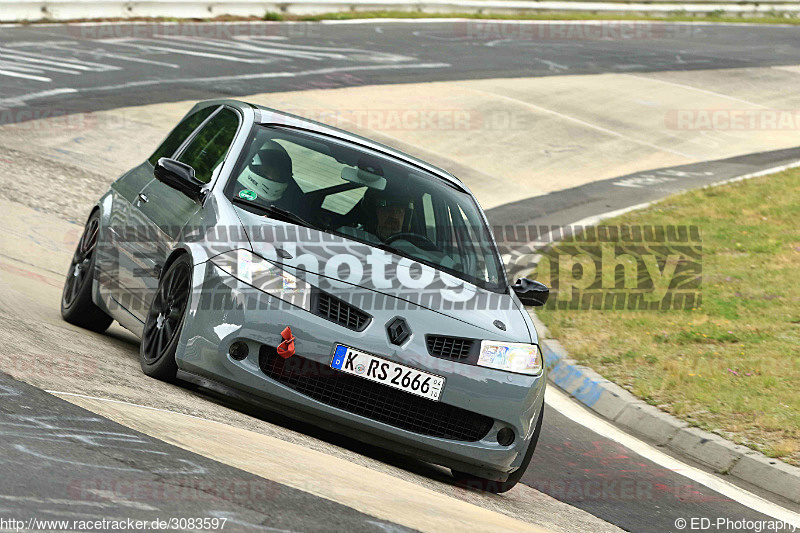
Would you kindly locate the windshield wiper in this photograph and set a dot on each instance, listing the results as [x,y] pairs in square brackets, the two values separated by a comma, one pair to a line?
[279,212]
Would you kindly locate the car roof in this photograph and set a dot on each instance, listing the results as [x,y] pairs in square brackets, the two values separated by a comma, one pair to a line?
[268,115]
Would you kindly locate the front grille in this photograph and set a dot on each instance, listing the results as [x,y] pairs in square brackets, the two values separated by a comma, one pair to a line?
[373,400]
[341,312]
[449,347]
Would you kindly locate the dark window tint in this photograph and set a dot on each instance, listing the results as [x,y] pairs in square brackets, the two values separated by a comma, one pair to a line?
[209,147]
[180,134]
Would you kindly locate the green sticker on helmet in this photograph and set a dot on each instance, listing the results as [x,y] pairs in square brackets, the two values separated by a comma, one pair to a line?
[247,194]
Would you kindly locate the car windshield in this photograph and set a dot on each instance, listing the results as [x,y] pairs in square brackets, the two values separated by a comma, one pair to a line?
[368,197]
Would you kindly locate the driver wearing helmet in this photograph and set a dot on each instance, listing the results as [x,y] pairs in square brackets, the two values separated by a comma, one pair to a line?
[267,178]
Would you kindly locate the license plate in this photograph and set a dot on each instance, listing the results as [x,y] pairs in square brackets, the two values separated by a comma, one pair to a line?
[389,373]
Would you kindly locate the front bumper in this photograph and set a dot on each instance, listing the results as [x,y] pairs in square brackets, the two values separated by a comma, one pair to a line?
[224,310]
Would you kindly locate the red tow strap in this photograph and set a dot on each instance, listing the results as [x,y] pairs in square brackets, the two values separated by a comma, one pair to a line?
[286,348]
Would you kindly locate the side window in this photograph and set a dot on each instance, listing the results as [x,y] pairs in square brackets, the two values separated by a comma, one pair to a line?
[180,133]
[209,147]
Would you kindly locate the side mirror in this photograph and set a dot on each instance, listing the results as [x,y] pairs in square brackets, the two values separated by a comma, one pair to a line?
[531,292]
[179,176]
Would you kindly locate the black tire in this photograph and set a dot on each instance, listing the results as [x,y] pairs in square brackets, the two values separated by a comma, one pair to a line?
[77,306]
[162,328]
[498,487]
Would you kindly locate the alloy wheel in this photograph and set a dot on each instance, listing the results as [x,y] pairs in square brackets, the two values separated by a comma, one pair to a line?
[80,268]
[166,312]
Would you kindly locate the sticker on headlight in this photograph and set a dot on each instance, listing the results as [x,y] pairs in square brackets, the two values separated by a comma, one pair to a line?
[510,356]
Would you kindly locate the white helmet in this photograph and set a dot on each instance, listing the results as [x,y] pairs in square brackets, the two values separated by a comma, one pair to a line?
[269,172]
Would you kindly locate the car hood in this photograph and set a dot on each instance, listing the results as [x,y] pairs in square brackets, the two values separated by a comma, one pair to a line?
[351,270]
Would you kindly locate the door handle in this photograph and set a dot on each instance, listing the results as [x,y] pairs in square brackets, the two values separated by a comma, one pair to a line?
[143,198]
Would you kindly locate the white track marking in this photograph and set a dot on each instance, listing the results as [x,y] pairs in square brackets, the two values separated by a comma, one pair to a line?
[375,55]
[38,66]
[193,469]
[45,64]
[5,390]
[24,76]
[114,497]
[20,68]
[552,65]
[257,50]
[257,47]
[190,43]
[75,64]
[132,59]
[184,51]
[24,449]
[696,89]
[547,238]
[121,57]
[38,44]
[593,220]
[267,75]
[583,123]
[20,100]
[572,410]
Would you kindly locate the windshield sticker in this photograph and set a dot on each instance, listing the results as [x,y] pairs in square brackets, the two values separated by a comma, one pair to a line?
[247,194]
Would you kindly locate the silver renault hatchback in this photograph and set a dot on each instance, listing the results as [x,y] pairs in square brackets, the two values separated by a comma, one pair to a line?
[324,275]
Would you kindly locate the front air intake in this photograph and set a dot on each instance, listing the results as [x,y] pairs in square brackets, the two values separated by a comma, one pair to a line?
[449,347]
[339,311]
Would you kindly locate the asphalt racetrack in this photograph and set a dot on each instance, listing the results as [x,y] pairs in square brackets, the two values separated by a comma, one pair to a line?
[597,132]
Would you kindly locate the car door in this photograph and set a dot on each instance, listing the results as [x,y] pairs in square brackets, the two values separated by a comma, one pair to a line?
[165,211]
[131,226]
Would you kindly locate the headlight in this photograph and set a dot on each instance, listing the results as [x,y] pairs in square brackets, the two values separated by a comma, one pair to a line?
[265,276]
[511,356]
